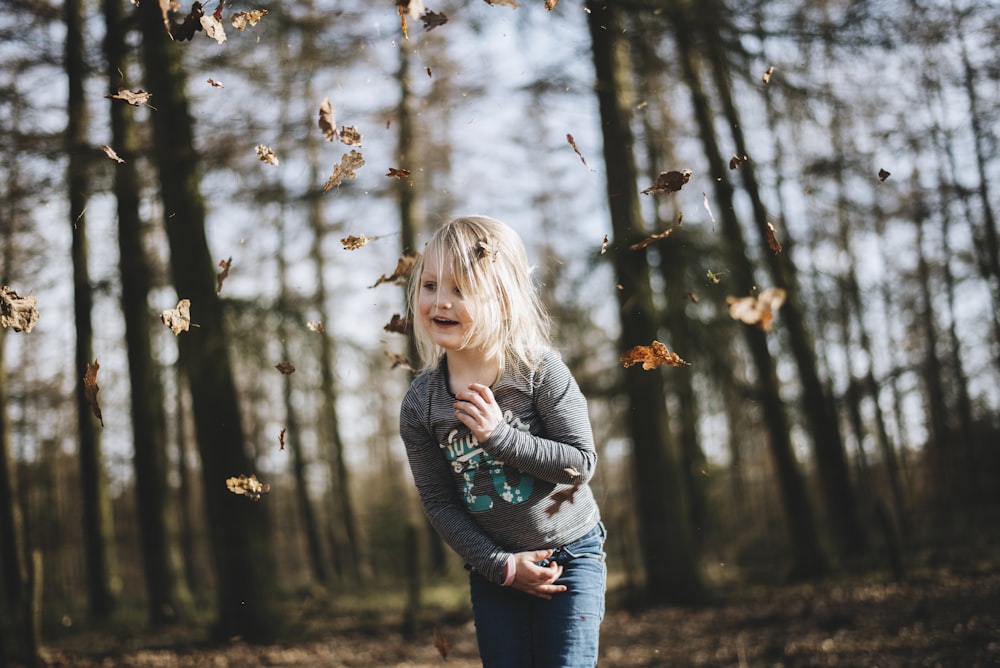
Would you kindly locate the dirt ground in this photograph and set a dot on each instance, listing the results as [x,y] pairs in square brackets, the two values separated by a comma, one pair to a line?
[950,619]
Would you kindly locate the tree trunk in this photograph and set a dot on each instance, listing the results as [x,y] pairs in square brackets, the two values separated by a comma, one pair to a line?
[166,594]
[807,557]
[668,549]
[239,529]
[96,504]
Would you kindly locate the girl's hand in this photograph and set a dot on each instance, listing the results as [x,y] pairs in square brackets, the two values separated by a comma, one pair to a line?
[477,409]
[536,580]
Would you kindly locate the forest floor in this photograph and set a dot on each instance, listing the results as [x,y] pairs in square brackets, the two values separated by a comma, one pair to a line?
[948,617]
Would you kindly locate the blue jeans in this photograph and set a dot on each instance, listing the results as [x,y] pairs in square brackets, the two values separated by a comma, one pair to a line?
[517,630]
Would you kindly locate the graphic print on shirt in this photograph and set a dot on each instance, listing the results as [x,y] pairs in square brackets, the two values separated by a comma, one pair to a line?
[466,457]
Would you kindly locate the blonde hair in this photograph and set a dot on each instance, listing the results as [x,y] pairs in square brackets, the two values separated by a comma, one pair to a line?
[491,269]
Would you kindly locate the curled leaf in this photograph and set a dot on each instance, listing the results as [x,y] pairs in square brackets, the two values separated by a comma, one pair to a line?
[17,312]
[772,240]
[404,266]
[110,152]
[757,310]
[222,275]
[266,154]
[286,368]
[352,242]
[241,20]
[134,97]
[178,319]
[345,169]
[90,389]
[248,486]
[651,357]
[399,325]
[668,182]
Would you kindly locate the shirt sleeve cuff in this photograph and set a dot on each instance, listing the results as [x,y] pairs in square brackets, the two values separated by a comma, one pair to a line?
[509,571]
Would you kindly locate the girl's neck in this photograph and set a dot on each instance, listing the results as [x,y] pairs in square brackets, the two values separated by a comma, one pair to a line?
[470,366]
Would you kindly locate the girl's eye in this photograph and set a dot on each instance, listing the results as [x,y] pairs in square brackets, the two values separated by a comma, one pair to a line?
[429,286]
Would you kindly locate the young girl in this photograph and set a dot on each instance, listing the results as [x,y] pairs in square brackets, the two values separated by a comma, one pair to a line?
[500,446]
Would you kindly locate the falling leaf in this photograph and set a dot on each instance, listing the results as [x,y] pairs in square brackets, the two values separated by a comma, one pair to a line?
[736,161]
[412,8]
[757,310]
[178,319]
[315,326]
[241,20]
[399,360]
[560,497]
[485,248]
[883,175]
[604,245]
[668,182]
[215,84]
[433,20]
[134,97]
[354,242]
[265,154]
[286,368]
[651,357]
[399,325]
[281,440]
[327,124]
[766,78]
[350,135]
[225,264]
[248,486]
[505,3]
[17,312]
[704,199]
[401,274]
[715,277]
[551,4]
[572,143]
[90,389]
[772,240]
[345,169]
[441,644]
[213,28]
[398,173]
[110,152]
[191,24]
[429,72]
[656,237]
[692,297]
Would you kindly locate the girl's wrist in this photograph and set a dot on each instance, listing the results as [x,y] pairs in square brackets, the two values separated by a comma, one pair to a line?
[509,571]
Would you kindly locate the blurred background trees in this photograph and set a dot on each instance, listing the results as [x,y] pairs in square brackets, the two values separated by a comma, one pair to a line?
[858,432]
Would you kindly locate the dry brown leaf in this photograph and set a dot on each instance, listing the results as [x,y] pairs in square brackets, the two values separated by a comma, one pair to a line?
[281,440]
[398,173]
[651,357]
[265,154]
[134,97]
[327,124]
[225,264]
[661,235]
[736,161]
[560,497]
[350,135]
[17,312]
[772,240]
[215,84]
[883,175]
[766,78]
[399,360]
[345,169]
[90,389]
[241,20]
[399,324]
[213,27]
[248,486]
[757,310]
[110,152]
[505,3]
[178,319]
[604,245]
[286,368]
[572,142]
[191,23]
[412,8]
[354,242]
[404,266]
[551,4]
[433,20]
[668,182]
[315,326]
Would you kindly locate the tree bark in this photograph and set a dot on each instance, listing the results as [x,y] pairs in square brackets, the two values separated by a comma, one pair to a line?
[668,548]
[95,504]
[239,530]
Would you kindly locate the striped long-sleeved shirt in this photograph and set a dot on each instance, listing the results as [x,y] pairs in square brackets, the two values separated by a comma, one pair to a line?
[514,491]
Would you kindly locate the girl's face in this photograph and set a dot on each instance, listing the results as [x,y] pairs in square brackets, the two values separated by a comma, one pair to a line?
[445,314]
